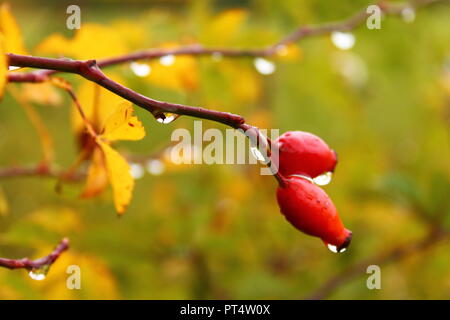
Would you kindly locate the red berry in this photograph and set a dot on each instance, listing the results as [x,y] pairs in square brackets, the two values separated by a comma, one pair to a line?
[308,208]
[304,153]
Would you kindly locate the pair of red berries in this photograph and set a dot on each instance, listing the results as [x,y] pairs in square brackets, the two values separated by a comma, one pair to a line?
[302,157]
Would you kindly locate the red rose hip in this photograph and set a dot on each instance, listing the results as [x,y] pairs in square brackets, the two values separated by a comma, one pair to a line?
[309,209]
[304,153]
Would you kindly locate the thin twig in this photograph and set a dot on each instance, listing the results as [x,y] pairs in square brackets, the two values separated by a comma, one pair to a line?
[198,50]
[28,264]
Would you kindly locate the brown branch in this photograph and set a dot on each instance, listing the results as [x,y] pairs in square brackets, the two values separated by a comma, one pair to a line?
[198,50]
[28,264]
[40,170]
[393,255]
[90,71]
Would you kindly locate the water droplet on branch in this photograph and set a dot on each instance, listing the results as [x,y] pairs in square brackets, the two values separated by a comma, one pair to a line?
[408,14]
[136,170]
[155,167]
[217,56]
[264,66]
[166,117]
[167,60]
[343,40]
[140,69]
[259,155]
[39,273]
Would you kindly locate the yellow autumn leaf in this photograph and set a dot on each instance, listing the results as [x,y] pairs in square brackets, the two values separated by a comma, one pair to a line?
[174,72]
[97,179]
[3,66]
[224,27]
[123,125]
[97,104]
[11,32]
[119,175]
[41,93]
[91,41]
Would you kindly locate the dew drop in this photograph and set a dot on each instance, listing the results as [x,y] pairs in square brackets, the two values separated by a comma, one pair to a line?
[167,60]
[217,56]
[166,117]
[155,167]
[136,170]
[140,69]
[39,274]
[334,249]
[408,14]
[323,179]
[259,155]
[264,66]
[343,40]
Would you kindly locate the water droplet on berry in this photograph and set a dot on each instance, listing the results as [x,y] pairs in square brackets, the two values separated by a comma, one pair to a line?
[334,249]
[140,69]
[264,66]
[136,170]
[408,14]
[166,117]
[323,179]
[343,40]
[39,273]
[167,60]
[155,167]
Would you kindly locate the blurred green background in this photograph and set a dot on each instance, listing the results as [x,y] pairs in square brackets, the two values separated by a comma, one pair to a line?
[215,231]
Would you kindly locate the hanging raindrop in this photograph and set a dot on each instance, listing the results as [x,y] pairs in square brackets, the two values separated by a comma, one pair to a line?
[140,69]
[334,249]
[343,40]
[39,273]
[166,117]
[264,66]
[167,60]
[217,56]
[136,170]
[408,14]
[155,167]
[323,179]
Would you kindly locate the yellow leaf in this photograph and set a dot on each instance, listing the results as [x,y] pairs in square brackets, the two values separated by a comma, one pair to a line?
[225,26]
[122,125]
[97,104]
[42,93]
[92,41]
[119,175]
[10,31]
[97,179]
[182,74]
[3,66]
[58,219]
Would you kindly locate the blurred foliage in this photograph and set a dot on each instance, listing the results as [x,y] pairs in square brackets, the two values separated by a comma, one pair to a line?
[215,231]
